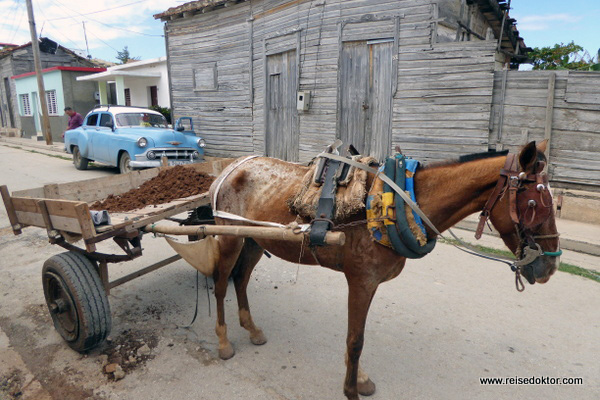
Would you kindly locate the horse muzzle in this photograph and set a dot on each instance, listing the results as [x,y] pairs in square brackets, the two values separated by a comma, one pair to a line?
[541,269]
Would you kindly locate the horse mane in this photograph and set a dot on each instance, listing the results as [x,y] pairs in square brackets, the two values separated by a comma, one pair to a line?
[466,158]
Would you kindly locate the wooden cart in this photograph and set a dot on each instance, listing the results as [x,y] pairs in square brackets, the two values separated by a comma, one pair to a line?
[76,282]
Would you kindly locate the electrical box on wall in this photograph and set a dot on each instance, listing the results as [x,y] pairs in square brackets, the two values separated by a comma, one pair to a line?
[97,96]
[303,100]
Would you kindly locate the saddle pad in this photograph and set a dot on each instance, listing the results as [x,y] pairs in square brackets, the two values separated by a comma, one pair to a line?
[350,196]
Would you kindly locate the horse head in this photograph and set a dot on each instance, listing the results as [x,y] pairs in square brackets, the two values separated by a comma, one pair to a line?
[524,215]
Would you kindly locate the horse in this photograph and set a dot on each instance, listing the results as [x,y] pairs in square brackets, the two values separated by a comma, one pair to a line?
[446,192]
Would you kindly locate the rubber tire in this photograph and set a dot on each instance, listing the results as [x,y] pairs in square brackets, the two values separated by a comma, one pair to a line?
[80,283]
[123,163]
[79,161]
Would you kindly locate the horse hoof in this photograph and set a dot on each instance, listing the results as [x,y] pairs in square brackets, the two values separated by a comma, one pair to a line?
[366,388]
[258,338]
[226,353]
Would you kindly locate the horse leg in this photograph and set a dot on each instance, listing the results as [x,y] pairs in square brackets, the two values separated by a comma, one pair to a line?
[229,250]
[360,295]
[249,257]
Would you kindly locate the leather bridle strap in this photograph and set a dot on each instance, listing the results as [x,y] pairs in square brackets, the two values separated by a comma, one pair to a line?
[509,166]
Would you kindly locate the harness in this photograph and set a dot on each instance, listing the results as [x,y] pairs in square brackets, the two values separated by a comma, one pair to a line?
[386,213]
[529,207]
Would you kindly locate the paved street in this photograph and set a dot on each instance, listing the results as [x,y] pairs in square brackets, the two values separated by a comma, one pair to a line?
[446,321]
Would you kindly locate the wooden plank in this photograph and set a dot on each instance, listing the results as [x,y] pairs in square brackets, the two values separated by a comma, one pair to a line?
[87,226]
[10,210]
[549,114]
[70,225]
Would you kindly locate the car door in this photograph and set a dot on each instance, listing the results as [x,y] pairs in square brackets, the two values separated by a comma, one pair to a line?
[86,143]
[104,139]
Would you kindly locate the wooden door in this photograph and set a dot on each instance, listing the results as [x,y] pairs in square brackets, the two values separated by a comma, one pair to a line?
[281,133]
[366,96]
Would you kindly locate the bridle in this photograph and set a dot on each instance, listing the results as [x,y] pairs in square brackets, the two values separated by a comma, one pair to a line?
[530,205]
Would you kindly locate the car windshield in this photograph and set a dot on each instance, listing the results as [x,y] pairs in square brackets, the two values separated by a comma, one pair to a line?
[141,119]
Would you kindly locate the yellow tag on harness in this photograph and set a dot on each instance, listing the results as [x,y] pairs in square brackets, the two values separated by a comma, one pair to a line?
[389,210]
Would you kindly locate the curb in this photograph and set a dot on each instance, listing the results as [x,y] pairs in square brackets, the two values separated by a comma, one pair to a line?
[565,243]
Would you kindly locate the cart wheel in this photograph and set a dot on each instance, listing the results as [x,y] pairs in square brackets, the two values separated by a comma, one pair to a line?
[76,300]
[79,161]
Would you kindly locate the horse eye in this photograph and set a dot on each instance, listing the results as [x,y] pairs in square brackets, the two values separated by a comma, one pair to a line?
[540,187]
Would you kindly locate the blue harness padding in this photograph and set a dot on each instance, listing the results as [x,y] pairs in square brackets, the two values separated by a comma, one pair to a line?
[412,165]
[402,239]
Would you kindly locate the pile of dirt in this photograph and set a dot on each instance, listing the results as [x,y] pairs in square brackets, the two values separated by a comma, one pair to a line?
[173,183]
[130,350]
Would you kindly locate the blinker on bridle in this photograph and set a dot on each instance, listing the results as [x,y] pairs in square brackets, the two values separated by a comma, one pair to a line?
[535,201]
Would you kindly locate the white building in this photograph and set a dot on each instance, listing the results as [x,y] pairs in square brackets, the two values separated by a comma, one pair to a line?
[140,83]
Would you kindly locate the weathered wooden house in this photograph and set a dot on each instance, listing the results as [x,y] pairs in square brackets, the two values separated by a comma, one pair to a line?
[285,78]
[19,60]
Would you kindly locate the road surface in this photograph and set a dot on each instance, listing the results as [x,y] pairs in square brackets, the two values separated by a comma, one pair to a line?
[445,322]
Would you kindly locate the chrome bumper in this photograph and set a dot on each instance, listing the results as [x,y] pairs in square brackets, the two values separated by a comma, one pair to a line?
[156,163]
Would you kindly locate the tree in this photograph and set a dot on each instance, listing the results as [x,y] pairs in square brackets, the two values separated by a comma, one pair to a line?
[561,56]
[125,57]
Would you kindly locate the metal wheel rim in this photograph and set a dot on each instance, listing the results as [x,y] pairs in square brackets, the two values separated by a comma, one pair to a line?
[66,316]
[125,158]
[76,156]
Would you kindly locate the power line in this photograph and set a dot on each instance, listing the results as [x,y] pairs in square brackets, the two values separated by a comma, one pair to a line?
[76,46]
[10,17]
[14,33]
[101,11]
[110,26]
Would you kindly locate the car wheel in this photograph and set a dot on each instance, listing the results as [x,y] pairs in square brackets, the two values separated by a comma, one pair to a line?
[124,163]
[79,161]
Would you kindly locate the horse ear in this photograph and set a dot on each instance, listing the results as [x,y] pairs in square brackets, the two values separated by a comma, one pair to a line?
[528,157]
[542,146]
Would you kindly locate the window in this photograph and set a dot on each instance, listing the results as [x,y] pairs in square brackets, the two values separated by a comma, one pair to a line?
[106,120]
[92,120]
[205,77]
[127,97]
[51,101]
[141,119]
[25,104]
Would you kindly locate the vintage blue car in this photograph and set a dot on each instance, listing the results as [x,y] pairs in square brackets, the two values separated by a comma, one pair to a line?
[132,137]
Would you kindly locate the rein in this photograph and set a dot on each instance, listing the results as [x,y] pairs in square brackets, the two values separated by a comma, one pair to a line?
[507,176]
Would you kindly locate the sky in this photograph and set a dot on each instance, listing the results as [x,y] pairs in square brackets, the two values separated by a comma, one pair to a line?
[112,25]
[547,22]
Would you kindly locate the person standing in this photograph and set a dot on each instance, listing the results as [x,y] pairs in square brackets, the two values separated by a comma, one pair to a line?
[75,119]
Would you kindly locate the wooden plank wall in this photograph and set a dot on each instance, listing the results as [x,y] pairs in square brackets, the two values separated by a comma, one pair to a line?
[441,108]
[575,121]
[222,116]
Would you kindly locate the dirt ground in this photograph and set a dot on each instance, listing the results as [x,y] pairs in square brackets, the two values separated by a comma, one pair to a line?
[446,321]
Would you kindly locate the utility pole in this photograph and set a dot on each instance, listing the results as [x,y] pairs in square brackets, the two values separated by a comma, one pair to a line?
[86,41]
[38,72]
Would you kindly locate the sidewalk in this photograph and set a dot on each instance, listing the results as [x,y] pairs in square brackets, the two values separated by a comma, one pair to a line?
[57,147]
[574,236]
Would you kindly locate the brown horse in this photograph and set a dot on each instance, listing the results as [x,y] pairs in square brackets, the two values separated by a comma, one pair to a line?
[447,192]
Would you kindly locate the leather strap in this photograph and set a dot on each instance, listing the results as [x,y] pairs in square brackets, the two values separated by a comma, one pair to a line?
[505,173]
